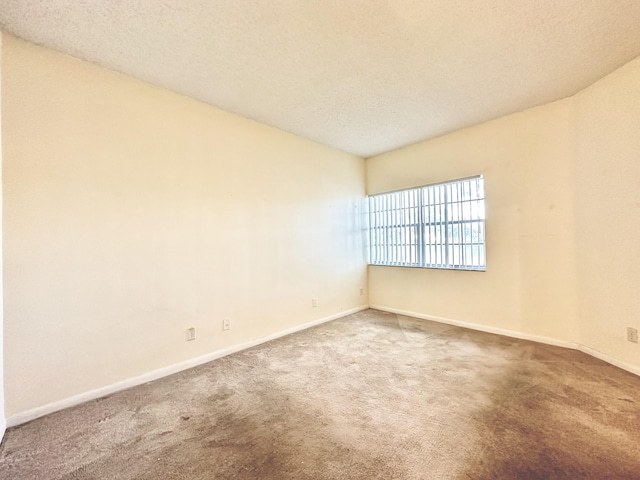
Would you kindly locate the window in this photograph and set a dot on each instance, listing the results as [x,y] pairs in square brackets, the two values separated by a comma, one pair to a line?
[435,226]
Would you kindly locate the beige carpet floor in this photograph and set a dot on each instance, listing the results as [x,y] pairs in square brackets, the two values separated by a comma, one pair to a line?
[370,396]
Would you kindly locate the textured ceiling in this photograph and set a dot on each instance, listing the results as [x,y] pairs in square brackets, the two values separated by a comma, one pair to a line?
[363,76]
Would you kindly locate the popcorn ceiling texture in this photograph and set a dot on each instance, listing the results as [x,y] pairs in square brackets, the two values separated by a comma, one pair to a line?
[363,76]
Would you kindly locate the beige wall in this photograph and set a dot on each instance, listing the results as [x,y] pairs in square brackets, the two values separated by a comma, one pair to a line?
[563,198]
[132,213]
[3,422]
[608,211]
[529,285]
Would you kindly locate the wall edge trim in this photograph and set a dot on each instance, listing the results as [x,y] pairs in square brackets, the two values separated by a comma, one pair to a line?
[481,328]
[37,412]
[609,359]
[519,335]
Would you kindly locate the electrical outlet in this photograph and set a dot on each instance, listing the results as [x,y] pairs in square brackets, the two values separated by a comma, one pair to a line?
[632,334]
[191,333]
[361,291]
[226,324]
[314,302]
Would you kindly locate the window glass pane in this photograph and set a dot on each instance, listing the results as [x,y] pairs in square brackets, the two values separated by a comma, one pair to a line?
[466,210]
[438,226]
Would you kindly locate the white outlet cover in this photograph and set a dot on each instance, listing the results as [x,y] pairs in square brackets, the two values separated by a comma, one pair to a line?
[191,333]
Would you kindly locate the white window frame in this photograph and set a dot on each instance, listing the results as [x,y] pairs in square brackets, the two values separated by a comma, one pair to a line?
[432,226]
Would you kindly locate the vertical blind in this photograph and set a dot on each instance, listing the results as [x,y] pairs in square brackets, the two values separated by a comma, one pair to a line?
[435,226]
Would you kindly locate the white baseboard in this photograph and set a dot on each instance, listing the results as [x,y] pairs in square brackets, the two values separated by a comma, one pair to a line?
[3,428]
[37,412]
[609,359]
[515,334]
[481,328]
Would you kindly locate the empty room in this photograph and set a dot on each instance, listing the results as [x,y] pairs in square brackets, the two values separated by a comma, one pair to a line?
[320,239]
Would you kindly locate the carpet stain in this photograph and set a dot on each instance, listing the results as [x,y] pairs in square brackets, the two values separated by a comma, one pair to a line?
[371,395]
